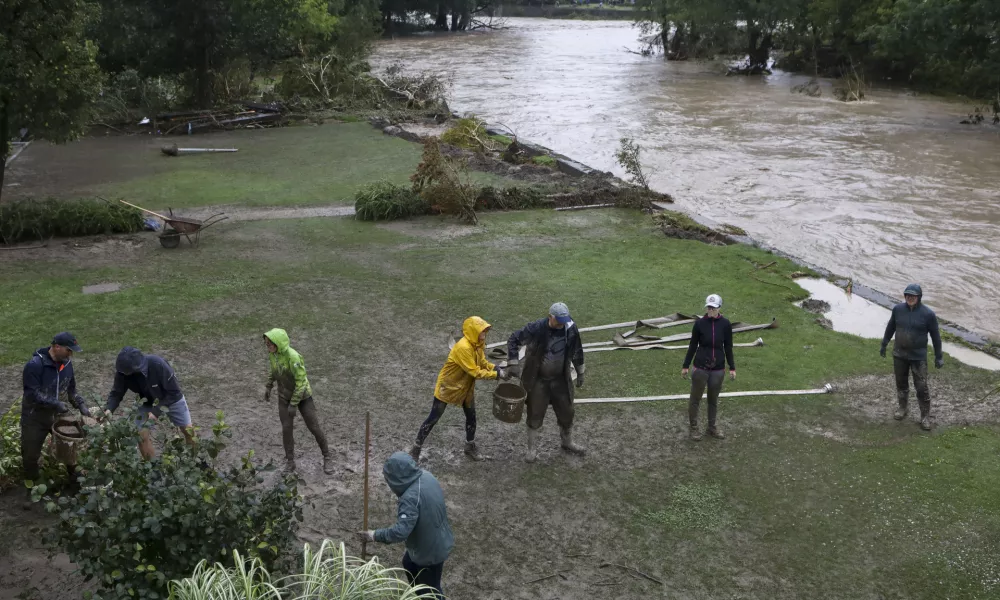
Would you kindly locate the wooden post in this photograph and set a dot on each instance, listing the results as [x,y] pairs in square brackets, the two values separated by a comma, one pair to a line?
[364,544]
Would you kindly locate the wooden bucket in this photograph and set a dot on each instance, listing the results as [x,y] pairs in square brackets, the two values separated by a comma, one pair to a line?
[68,437]
[508,402]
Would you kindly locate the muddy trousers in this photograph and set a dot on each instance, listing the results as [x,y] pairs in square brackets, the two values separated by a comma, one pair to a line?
[36,425]
[429,575]
[437,409]
[545,392]
[700,379]
[918,368]
[307,408]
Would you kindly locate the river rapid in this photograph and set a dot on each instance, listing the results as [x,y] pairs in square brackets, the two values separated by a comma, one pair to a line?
[888,191]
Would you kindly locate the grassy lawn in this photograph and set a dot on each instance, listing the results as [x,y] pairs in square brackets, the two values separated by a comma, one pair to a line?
[807,497]
[287,166]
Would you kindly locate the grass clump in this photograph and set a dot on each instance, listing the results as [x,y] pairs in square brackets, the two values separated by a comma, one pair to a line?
[693,506]
[509,198]
[328,573]
[386,201]
[544,160]
[24,220]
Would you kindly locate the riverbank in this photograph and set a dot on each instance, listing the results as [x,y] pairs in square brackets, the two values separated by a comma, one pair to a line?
[582,12]
[887,509]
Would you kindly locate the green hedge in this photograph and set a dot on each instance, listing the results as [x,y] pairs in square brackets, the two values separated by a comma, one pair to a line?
[24,220]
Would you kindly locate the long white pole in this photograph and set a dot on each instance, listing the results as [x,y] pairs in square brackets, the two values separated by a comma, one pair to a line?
[654,346]
[827,389]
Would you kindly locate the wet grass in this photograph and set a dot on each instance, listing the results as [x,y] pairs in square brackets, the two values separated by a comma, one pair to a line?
[778,510]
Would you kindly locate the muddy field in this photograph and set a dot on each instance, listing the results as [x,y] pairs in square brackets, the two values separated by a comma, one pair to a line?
[370,307]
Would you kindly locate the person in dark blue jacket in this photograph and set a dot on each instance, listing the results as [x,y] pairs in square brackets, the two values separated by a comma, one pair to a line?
[49,386]
[912,322]
[154,381]
[711,348]
[421,521]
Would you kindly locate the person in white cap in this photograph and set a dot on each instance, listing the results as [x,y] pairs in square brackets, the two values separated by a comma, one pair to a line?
[711,348]
[553,350]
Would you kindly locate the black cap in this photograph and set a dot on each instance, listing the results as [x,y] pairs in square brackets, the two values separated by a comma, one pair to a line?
[68,340]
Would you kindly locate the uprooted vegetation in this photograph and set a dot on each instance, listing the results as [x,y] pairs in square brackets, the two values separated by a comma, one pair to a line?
[681,226]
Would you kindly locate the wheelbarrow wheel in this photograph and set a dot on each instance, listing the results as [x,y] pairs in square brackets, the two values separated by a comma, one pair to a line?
[170,238]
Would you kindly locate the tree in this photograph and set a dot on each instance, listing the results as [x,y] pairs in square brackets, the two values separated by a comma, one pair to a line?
[48,75]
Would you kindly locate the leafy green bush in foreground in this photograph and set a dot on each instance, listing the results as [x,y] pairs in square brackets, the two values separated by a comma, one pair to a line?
[136,525]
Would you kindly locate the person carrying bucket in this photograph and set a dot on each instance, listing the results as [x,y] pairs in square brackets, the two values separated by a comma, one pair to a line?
[553,350]
[456,384]
[711,347]
[49,387]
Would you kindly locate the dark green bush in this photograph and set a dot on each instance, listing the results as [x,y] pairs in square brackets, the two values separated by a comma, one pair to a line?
[136,524]
[23,220]
[384,201]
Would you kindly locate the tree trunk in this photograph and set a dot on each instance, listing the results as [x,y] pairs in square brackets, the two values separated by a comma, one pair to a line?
[677,44]
[454,21]
[465,20]
[4,144]
[758,50]
[665,37]
[441,24]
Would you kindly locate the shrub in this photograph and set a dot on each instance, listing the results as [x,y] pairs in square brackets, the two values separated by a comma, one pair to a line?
[628,157]
[328,574]
[23,220]
[384,201]
[128,97]
[544,160]
[470,133]
[137,524]
[444,184]
[11,472]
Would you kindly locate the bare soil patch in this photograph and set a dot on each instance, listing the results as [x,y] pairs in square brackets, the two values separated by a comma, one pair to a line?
[953,402]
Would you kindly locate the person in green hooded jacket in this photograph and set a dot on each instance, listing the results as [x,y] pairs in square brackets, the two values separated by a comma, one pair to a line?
[288,370]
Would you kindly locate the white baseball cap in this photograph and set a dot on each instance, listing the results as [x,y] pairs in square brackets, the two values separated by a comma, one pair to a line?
[714,300]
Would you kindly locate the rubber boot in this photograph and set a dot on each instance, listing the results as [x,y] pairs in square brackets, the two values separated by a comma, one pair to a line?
[715,432]
[567,442]
[693,433]
[902,410]
[289,465]
[532,454]
[328,464]
[925,423]
[415,452]
[472,451]
[925,412]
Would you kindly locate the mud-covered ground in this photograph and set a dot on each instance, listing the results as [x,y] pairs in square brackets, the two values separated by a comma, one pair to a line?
[815,496]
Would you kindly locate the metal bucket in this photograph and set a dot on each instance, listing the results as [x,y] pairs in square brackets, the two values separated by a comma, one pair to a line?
[68,437]
[508,402]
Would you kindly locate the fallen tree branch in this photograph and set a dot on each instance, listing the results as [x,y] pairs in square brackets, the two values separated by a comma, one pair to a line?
[557,574]
[633,570]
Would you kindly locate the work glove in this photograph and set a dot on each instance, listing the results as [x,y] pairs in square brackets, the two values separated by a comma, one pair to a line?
[84,410]
[292,409]
[881,352]
[938,362]
[502,374]
[267,394]
[579,380]
[365,536]
[61,407]
[513,368]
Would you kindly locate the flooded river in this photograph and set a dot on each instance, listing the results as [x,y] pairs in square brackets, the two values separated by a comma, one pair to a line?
[889,191]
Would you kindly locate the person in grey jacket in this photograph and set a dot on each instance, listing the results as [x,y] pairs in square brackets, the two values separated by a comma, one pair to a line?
[421,521]
[911,322]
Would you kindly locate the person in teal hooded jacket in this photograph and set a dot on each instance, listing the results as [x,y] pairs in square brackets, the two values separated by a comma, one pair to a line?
[288,370]
[421,521]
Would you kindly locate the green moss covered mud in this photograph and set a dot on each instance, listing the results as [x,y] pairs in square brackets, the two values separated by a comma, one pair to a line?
[816,496]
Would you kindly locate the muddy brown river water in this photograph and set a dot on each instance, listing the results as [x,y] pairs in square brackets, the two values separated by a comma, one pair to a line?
[889,191]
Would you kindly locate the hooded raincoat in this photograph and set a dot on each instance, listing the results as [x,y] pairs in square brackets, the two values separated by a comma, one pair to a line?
[421,517]
[456,383]
[287,369]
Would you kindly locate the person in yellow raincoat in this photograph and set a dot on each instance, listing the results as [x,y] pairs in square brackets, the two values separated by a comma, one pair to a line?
[456,384]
